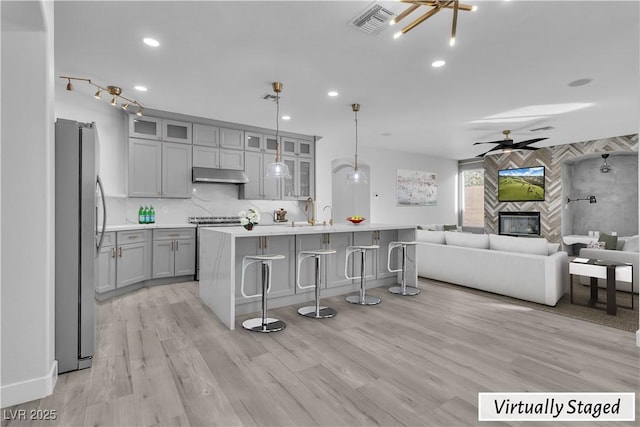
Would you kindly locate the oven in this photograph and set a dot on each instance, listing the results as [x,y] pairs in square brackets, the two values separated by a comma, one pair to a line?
[210,221]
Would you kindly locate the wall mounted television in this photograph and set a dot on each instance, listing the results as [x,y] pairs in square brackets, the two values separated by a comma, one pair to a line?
[521,184]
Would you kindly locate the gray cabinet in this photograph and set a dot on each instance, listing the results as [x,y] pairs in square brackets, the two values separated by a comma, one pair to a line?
[376,260]
[206,135]
[159,169]
[105,279]
[258,186]
[297,147]
[231,159]
[133,263]
[332,274]
[283,271]
[302,182]
[206,156]
[174,252]
[160,129]
[232,138]
[211,151]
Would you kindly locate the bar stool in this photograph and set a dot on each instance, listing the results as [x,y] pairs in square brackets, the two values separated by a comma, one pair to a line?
[361,298]
[314,311]
[403,289]
[264,323]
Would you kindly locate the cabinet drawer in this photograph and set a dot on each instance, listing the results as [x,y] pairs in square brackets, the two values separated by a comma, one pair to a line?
[133,236]
[109,239]
[174,233]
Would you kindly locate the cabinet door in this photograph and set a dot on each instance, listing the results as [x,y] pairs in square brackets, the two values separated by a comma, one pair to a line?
[206,157]
[145,168]
[306,242]
[283,279]
[176,170]
[253,169]
[305,178]
[270,145]
[145,127]
[174,131]
[383,238]
[163,258]
[185,257]
[305,148]
[106,271]
[289,146]
[290,186]
[270,187]
[336,263]
[231,159]
[232,138]
[205,135]
[133,264]
[253,141]
[365,238]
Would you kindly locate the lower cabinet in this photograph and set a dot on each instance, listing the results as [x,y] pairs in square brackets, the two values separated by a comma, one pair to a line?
[133,262]
[282,273]
[105,279]
[332,272]
[174,252]
[376,260]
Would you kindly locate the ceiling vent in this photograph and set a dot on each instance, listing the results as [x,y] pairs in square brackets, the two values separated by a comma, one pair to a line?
[541,129]
[373,20]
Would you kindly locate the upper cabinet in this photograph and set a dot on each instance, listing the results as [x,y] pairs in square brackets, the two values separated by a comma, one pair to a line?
[296,147]
[206,135]
[160,129]
[232,138]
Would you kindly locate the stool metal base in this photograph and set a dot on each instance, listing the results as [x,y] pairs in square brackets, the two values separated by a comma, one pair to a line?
[368,300]
[408,290]
[271,325]
[323,312]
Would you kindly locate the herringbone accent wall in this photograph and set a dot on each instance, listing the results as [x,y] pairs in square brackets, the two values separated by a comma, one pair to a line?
[551,158]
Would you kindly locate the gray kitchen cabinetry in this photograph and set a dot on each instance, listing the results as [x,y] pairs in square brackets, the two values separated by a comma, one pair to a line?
[376,260]
[106,268]
[174,252]
[332,274]
[133,252]
[159,169]
[231,159]
[283,271]
[209,151]
[206,135]
[258,186]
[206,156]
[302,182]
[296,147]
[232,138]
[160,129]
[260,142]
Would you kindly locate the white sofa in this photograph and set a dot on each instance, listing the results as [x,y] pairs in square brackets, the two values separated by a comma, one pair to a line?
[530,269]
[627,251]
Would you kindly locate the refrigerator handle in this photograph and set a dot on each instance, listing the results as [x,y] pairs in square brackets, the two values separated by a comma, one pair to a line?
[104,214]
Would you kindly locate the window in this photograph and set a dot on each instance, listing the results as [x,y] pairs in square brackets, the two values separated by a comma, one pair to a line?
[472,196]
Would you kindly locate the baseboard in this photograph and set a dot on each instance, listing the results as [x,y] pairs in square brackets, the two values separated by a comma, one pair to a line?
[25,391]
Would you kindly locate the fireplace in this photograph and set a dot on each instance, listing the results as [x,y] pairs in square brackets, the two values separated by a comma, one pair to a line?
[519,223]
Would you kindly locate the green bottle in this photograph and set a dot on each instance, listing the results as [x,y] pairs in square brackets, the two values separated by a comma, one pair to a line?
[145,215]
[141,216]
[152,215]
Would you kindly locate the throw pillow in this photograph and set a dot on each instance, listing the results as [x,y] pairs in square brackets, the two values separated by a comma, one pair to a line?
[524,245]
[450,227]
[553,248]
[631,244]
[610,242]
[596,245]
[467,240]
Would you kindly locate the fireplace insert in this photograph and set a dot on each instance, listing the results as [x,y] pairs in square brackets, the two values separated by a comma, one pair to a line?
[519,223]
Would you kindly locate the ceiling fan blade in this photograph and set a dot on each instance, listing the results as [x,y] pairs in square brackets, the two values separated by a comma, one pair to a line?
[529,148]
[496,148]
[500,141]
[529,141]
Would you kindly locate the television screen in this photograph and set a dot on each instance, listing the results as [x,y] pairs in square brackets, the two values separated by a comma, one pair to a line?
[521,185]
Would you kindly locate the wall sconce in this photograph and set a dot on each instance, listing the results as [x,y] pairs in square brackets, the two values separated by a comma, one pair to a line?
[605,168]
[114,91]
[591,199]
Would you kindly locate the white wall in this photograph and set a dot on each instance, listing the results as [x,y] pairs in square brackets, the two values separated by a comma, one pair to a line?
[29,370]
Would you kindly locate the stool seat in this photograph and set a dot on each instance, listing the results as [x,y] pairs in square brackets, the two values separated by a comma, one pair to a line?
[265,257]
[264,323]
[314,311]
[361,298]
[402,288]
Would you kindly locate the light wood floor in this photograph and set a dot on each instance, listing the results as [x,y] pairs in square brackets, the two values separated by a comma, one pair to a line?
[163,358]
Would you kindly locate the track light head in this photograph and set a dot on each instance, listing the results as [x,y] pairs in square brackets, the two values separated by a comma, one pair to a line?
[125,107]
[69,85]
[98,94]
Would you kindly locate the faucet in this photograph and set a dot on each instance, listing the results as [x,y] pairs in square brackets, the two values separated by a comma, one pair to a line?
[330,213]
[311,221]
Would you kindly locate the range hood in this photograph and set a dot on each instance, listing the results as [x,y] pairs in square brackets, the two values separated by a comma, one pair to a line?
[218,176]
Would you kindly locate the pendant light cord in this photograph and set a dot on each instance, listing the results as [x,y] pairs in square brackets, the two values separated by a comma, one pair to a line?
[356,155]
[277,127]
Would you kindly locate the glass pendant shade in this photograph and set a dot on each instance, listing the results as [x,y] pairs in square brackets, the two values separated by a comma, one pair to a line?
[277,170]
[356,176]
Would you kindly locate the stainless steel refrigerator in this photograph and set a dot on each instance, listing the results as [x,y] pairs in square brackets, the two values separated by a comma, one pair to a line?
[77,241]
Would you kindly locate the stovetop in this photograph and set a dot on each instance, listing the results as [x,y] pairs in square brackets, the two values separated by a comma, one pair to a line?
[214,221]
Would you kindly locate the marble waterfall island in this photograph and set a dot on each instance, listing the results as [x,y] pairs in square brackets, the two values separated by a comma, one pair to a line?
[222,250]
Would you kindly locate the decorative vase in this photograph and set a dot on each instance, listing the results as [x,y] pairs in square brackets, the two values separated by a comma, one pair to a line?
[249,226]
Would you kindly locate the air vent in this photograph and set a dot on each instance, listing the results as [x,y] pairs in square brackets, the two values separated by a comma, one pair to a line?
[541,129]
[373,20]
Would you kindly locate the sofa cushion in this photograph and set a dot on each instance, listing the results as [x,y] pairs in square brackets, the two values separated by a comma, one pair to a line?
[631,244]
[467,240]
[525,245]
[430,236]
[610,242]
[552,248]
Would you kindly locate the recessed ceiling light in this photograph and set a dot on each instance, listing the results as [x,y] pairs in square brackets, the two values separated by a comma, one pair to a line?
[140,88]
[333,93]
[286,117]
[151,42]
[437,64]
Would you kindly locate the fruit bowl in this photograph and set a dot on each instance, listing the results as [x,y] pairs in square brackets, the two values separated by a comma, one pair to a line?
[355,219]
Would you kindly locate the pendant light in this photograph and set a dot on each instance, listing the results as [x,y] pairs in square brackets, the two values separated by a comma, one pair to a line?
[356,176]
[277,169]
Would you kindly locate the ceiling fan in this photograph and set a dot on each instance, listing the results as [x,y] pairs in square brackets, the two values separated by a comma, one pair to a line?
[507,145]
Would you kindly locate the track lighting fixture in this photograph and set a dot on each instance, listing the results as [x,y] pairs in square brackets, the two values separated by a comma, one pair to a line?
[114,91]
[436,6]
[591,199]
[278,169]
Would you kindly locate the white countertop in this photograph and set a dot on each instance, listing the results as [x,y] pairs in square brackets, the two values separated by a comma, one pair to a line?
[283,230]
[124,227]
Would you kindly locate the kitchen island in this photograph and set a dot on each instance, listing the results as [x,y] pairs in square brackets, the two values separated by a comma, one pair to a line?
[222,250]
